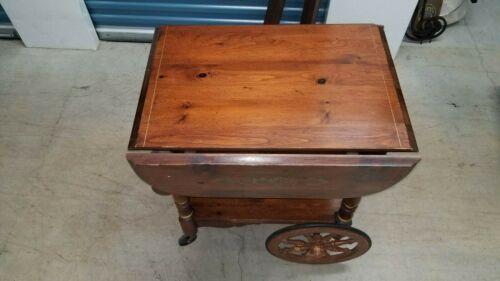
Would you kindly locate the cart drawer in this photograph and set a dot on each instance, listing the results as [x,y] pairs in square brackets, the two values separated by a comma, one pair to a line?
[271,175]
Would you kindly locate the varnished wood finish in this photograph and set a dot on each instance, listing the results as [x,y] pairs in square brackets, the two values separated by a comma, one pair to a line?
[144,90]
[401,100]
[347,209]
[272,88]
[274,11]
[318,243]
[273,124]
[270,175]
[309,11]
[159,192]
[186,218]
[240,211]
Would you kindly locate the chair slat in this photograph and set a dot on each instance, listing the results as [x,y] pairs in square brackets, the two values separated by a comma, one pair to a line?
[274,11]
[309,11]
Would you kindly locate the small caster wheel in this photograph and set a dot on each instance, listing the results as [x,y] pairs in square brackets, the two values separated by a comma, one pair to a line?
[186,240]
[318,243]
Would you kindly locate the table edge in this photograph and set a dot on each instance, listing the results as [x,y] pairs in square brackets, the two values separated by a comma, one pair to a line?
[144,90]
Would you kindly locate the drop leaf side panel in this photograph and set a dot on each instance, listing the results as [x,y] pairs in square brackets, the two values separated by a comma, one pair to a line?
[270,175]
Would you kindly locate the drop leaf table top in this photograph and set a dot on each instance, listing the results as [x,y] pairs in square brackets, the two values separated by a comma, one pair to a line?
[272,88]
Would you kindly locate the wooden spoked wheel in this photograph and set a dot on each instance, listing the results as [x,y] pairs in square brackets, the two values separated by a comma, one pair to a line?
[318,243]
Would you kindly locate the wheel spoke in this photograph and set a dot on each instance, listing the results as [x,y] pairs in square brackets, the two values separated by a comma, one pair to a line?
[334,247]
[295,242]
[306,243]
[329,246]
[342,250]
[344,242]
[309,236]
[296,251]
[338,236]
[327,238]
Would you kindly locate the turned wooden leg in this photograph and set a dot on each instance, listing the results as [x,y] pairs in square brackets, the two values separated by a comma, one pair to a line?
[347,209]
[186,220]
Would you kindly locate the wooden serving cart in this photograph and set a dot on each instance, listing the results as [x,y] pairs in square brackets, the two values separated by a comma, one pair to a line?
[288,124]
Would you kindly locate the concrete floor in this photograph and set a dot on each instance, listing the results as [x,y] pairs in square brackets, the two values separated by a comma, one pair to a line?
[72,209]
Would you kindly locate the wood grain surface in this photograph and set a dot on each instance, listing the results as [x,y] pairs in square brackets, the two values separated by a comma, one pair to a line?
[239,175]
[240,211]
[272,88]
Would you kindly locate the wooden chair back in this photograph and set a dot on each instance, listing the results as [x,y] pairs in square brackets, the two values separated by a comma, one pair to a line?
[275,11]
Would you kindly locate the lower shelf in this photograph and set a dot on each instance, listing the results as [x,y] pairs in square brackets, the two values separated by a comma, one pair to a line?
[226,212]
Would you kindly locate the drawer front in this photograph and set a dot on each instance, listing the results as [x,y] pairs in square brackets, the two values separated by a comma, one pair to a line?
[271,175]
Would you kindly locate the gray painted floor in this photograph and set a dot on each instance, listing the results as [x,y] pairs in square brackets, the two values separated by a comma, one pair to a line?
[72,209]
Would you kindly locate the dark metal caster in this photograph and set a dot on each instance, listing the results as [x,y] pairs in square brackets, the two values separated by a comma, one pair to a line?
[185,240]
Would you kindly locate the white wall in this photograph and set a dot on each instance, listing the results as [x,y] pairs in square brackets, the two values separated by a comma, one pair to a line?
[394,15]
[52,23]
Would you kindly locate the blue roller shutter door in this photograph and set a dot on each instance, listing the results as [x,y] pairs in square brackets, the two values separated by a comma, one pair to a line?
[130,16]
